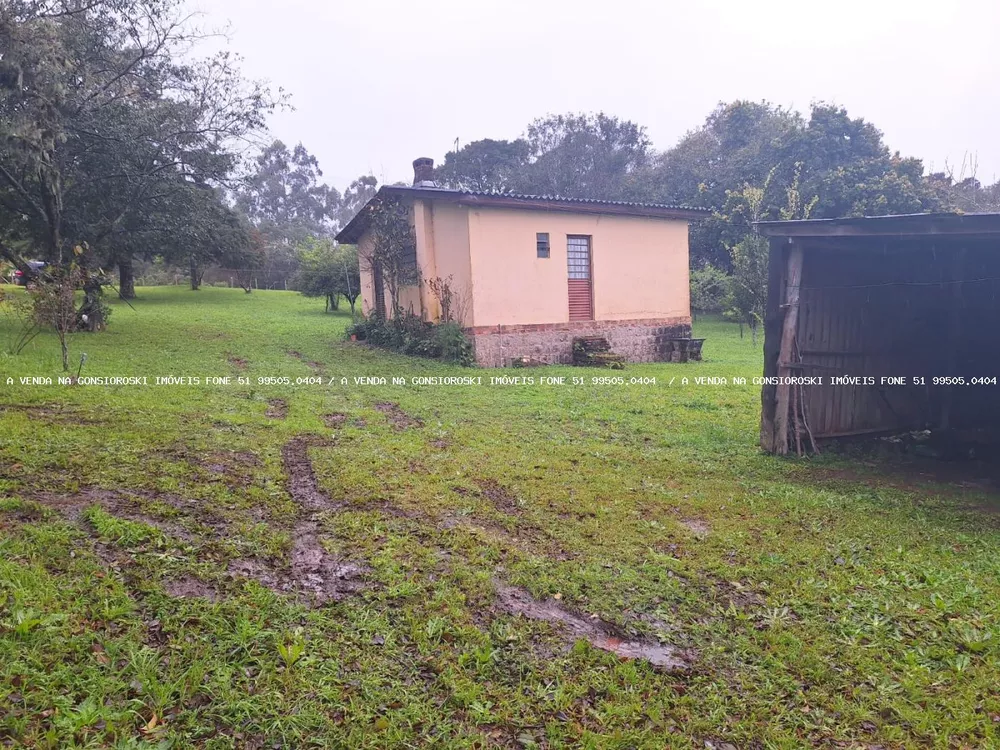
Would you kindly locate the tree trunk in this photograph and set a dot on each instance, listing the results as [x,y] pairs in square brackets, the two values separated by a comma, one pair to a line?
[126,277]
[195,275]
[335,302]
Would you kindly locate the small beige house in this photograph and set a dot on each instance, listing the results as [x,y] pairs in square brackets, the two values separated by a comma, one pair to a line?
[530,273]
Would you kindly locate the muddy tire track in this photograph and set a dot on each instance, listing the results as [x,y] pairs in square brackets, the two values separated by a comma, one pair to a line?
[598,633]
[300,478]
[121,505]
[312,571]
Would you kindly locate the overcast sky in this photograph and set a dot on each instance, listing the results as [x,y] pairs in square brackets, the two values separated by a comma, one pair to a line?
[375,85]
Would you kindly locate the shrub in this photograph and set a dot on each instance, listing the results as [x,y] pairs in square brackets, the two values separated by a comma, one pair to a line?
[411,335]
[710,289]
[453,344]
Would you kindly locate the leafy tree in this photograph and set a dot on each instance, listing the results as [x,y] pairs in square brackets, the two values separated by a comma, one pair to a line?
[711,290]
[847,166]
[200,229]
[749,258]
[102,115]
[486,165]
[740,143]
[584,156]
[355,197]
[841,161]
[247,259]
[327,270]
[745,207]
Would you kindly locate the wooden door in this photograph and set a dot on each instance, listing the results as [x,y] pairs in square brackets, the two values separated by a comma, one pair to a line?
[581,290]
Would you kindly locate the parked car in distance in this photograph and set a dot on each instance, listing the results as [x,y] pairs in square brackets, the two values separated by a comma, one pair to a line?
[34,265]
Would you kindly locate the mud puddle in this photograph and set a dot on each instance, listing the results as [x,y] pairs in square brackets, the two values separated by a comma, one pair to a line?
[502,498]
[71,506]
[596,632]
[189,587]
[398,418]
[277,408]
[316,571]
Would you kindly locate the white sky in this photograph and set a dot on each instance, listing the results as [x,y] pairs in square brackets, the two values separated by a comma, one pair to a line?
[376,84]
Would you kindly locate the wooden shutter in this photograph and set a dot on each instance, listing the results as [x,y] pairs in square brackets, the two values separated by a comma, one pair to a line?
[581,292]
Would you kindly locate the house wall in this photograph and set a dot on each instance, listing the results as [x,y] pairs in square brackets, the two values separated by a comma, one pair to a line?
[514,304]
[451,256]
[640,267]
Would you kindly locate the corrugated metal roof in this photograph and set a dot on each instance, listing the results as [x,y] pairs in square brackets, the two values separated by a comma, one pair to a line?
[898,225]
[559,198]
[353,231]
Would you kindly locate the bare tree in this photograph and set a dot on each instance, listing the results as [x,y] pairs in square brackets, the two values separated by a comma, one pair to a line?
[54,298]
[962,189]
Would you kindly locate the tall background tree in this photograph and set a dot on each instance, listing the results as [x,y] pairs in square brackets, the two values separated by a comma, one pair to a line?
[354,198]
[104,114]
[841,162]
[584,156]
[485,166]
[285,200]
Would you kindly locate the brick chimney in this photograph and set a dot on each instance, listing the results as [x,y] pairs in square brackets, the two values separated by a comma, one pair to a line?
[423,172]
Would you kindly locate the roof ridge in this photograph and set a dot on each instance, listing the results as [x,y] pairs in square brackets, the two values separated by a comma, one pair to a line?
[572,199]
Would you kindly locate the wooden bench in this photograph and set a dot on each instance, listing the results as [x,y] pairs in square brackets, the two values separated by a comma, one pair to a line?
[683,350]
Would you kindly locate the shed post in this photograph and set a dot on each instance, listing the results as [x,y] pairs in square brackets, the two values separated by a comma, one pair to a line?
[772,339]
[786,352]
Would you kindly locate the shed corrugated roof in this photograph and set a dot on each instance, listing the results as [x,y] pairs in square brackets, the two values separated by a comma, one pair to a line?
[356,227]
[894,225]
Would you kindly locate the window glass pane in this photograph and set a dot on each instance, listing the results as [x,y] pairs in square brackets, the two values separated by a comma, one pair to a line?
[542,244]
[578,257]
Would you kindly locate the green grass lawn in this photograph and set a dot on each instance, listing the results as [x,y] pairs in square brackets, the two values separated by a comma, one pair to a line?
[324,565]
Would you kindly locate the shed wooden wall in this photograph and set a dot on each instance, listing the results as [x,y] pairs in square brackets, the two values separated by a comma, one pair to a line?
[889,308]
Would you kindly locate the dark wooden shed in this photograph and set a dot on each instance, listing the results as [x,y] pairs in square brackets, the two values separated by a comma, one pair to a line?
[862,302]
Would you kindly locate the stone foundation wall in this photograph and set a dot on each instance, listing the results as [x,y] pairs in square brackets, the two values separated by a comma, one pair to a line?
[636,340]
